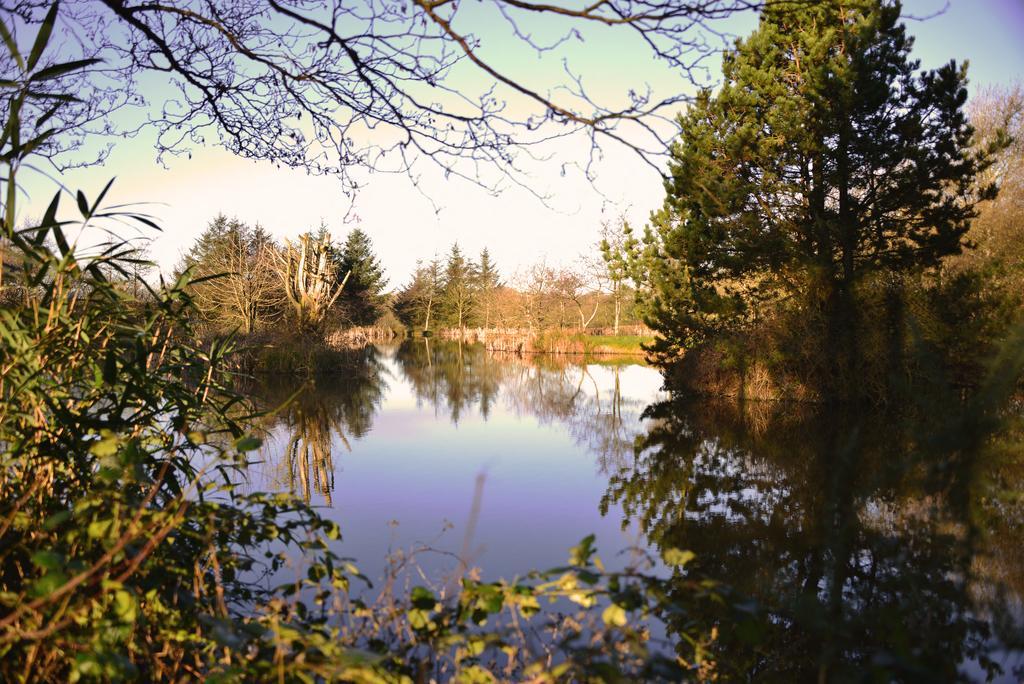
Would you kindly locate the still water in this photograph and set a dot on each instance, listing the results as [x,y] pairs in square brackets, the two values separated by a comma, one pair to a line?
[865,542]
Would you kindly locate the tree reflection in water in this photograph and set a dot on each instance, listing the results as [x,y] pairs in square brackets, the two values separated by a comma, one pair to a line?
[850,543]
[342,403]
[868,543]
[453,377]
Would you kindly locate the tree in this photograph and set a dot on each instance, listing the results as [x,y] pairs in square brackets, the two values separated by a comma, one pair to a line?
[823,158]
[457,295]
[310,279]
[299,84]
[997,235]
[363,296]
[238,261]
[616,245]
[535,287]
[416,301]
[486,285]
[572,285]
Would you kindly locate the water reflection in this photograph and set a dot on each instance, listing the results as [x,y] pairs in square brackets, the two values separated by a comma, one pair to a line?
[853,544]
[863,540]
[451,376]
[451,379]
[317,412]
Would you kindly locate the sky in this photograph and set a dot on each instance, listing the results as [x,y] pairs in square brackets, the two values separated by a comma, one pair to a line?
[407,223]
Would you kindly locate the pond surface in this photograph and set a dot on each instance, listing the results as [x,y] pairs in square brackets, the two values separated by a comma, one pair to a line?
[850,543]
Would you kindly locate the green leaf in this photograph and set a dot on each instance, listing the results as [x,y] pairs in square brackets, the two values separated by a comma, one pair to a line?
[43,37]
[12,47]
[420,619]
[107,446]
[98,529]
[676,557]
[614,616]
[248,443]
[49,583]
[124,606]
[58,70]
[83,204]
[99,198]
[582,552]
[423,598]
[56,520]
[48,560]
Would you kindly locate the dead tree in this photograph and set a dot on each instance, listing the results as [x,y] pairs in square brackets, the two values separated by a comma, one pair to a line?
[310,280]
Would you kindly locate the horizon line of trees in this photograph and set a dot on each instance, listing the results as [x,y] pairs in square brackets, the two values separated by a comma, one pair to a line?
[244,279]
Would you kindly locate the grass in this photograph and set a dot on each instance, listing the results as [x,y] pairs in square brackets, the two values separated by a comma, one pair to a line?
[615,344]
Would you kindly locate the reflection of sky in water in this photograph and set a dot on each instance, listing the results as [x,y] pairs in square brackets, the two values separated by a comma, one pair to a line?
[411,479]
[769,496]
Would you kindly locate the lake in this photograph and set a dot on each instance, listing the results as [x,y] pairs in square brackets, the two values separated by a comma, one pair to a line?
[848,541]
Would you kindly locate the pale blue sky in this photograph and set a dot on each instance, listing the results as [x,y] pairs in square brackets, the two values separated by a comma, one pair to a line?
[515,226]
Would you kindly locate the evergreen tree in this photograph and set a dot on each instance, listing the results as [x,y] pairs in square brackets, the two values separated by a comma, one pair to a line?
[615,247]
[824,157]
[416,303]
[457,291]
[487,283]
[363,297]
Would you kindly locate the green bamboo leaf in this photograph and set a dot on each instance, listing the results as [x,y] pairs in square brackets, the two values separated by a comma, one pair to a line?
[50,217]
[61,97]
[43,37]
[62,242]
[83,204]
[58,70]
[100,197]
[47,115]
[22,151]
[248,443]
[11,45]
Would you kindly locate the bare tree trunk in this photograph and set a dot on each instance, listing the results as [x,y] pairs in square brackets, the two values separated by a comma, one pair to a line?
[618,309]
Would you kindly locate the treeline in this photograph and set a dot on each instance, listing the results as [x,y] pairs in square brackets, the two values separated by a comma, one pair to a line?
[458,292]
[244,279]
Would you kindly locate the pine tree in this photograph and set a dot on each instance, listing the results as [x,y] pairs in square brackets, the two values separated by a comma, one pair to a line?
[487,283]
[363,297]
[457,295]
[416,303]
[824,157]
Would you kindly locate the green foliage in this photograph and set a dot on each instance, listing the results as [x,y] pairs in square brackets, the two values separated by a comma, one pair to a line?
[823,162]
[487,282]
[458,289]
[362,298]
[876,158]
[416,303]
[457,294]
[858,536]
